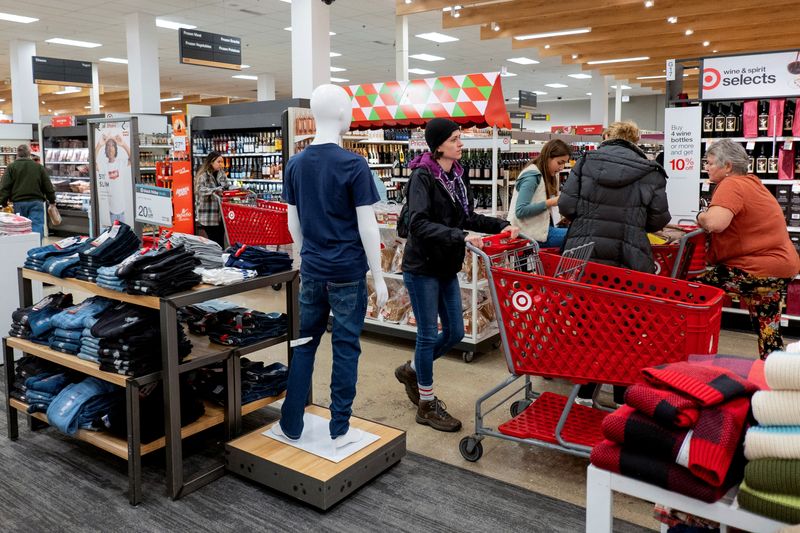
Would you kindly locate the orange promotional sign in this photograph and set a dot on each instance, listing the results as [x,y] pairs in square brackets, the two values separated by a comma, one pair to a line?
[177,176]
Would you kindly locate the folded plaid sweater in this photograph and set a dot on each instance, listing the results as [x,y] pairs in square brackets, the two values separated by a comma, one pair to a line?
[665,406]
[745,367]
[764,442]
[781,507]
[666,474]
[782,371]
[777,407]
[707,385]
[774,475]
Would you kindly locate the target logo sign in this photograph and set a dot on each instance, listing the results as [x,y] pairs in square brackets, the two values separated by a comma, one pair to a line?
[711,78]
[231,215]
[521,301]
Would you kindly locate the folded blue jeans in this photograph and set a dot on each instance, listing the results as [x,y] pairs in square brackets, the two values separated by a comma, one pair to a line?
[68,333]
[73,317]
[64,412]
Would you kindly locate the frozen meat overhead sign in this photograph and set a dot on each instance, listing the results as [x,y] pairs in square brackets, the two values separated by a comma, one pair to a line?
[751,76]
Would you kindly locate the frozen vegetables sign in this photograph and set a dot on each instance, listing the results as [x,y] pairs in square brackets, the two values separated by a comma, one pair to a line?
[751,76]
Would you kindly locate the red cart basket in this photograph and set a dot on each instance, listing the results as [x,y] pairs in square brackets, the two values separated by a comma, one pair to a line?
[249,220]
[564,317]
[684,259]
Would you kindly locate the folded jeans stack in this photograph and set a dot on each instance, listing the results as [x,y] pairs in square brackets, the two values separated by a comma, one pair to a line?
[69,324]
[78,405]
[200,316]
[258,381]
[59,259]
[42,388]
[34,322]
[224,275]
[108,279]
[160,271]
[111,247]
[29,367]
[207,251]
[90,345]
[263,261]
[241,327]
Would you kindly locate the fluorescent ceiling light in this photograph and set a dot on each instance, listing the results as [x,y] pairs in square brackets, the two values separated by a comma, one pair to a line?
[515,98]
[244,66]
[175,98]
[621,60]
[287,1]
[335,54]
[70,42]
[2,99]
[170,25]
[289,28]
[437,37]
[661,77]
[624,87]
[427,57]
[523,61]
[672,20]
[588,94]
[338,69]
[540,93]
[339,80]
[552,34]
[580,76]
[89,107]
[114,60]
[420,71]
[507,74]
[69,90]
[174,111]
[17,18]
[556,85]
[244,77]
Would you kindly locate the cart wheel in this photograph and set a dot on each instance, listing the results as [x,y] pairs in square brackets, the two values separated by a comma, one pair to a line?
[277,286]
[468,356]
[519,406]
[471,449]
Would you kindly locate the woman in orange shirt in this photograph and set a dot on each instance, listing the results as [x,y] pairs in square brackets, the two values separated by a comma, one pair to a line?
[750,250]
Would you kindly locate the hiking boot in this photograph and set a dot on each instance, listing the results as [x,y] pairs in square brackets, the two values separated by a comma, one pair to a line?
[433,413]
[406,375]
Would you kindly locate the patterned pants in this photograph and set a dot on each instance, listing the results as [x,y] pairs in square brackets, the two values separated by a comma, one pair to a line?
[762,296]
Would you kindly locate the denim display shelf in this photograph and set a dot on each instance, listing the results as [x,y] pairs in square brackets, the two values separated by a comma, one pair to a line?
[203,354]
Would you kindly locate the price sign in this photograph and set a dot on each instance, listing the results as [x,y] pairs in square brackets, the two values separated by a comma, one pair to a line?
[154,205]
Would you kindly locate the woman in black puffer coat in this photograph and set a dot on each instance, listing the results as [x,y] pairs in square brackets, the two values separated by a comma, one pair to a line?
[614,197]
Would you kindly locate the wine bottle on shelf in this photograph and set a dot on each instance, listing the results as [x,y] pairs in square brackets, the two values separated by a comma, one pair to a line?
[772,161]
[761,161]
[708,121]
[751,161]
[732,121]
[763,117]
[788,118]
[719,121]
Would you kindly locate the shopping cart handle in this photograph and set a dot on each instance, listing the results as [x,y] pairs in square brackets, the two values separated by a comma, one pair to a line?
[494,244]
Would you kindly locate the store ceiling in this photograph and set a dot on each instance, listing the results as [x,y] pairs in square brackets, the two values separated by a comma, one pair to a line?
[365,38]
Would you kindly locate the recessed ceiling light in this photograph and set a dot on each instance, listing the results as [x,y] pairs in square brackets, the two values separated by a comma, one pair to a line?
[574,56]
[426,57]
[580,76]
[89,107]
[672,20]
[621,60]
[2,99]
[69,90]
[540,93]
[552,34]
[17,18]
[420,71]
[495,26]
[287,1]
[114,60]
[623,87]
[507,74]
[175,98]
[70,42]
[170,25]
[43,102]
[335,54]
[588,94]
[49,110]
[661,77]
[437,37]
[244,77]
[547,46]
[649,3]
[174,111]
[706,43]
[689,31]
[556,85]
[715,51]
[523,60]
[289,28]
[338,69]
[339,80]
[409,1]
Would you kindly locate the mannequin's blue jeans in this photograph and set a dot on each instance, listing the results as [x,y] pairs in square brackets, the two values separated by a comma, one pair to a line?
[431,298]
[348,302]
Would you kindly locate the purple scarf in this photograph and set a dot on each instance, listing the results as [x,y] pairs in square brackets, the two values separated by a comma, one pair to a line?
[455,187]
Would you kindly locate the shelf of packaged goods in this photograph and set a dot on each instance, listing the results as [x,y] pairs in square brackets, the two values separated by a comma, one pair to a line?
[257,180]
[8,153]
[779,182]
[147,169]
[751,139]
[738,311]
[301,138]
[253,154]
[66,211]
[486,182]
[214,415]
[149,146]
[793,230]
[381,141]
[381,165]
[48,163]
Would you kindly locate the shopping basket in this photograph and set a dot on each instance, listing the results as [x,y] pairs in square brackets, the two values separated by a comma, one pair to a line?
[252,221]
[684,259]
[564,317]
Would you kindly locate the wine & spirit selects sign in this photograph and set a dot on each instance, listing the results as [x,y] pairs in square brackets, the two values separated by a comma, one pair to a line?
[751,76]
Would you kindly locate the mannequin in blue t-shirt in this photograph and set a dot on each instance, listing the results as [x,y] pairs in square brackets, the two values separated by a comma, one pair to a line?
[330,192]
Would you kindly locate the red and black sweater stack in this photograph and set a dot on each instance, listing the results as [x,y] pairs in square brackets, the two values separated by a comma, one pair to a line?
[681,430]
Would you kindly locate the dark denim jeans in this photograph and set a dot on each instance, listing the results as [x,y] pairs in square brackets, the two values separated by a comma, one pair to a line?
[348,302]
[432,297]
[34,210]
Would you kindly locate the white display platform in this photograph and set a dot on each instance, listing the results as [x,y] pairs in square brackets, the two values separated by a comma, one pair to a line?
[13,251]
[601,485]
[316,440]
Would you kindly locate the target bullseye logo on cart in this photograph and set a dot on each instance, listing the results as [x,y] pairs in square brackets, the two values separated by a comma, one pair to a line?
[521,301]
[231,215]
[711,78]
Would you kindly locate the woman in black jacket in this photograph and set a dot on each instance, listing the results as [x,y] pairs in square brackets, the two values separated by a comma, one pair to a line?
[440,208]
[614,196]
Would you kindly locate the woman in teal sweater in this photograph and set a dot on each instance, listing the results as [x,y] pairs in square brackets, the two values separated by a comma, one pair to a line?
[536,192]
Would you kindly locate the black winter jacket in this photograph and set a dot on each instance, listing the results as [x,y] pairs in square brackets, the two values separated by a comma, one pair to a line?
[435,245]
[613,197]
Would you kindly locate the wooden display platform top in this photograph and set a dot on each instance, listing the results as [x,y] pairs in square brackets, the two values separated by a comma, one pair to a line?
[307,463]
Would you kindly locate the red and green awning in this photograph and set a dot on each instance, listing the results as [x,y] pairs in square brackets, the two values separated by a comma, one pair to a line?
[470,100]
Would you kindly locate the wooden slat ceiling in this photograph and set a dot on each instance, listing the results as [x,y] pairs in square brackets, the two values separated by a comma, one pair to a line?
[626,28]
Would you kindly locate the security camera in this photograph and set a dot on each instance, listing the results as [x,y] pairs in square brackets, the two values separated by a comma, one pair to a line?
[328,2]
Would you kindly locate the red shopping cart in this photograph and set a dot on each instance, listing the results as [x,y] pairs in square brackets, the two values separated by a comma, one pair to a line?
[249,220]
[564,317]
[684,259]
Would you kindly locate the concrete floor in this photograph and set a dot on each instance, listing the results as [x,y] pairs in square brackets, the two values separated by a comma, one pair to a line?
[382,399]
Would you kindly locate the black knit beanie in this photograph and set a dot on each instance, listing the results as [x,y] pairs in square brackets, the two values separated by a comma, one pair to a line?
[437,131]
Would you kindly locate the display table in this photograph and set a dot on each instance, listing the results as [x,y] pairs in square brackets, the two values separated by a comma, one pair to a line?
[14,251]
[601,485]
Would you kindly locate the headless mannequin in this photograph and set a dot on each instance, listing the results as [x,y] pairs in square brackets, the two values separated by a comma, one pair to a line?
[332,110]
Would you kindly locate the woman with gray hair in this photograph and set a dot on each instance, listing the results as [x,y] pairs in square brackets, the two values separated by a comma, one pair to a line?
[750,252]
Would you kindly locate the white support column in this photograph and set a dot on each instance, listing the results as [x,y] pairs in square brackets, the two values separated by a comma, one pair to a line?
[24,93]
[618,102]
[401,47]
[144,86]
[598,111]
[266,87]
[311,46]
[94,92]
